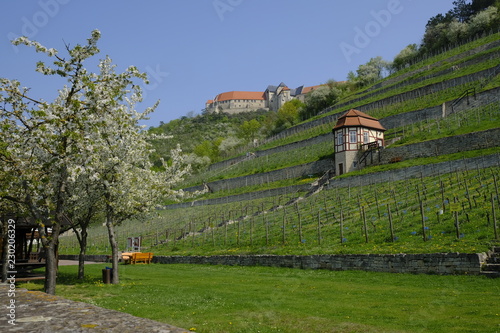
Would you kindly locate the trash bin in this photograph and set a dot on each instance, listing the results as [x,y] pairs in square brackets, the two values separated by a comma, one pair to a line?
[107,275]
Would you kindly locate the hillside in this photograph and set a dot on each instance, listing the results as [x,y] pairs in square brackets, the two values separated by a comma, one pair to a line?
[434,188]
[401,112]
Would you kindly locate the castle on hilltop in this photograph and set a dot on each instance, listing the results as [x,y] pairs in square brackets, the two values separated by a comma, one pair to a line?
[271,99]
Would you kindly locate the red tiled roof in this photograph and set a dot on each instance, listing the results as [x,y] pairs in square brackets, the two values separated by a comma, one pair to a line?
[355,118]
[232,95]
[305,90]
[210,101]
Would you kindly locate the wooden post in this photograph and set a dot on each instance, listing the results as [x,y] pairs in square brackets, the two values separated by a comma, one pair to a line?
[391,227]
[395,202]
[496,188]
[442,196]
[319,228]
[494,216]
[300,222]
[457,225]
[266,226]
[225,228]
[238,232]
[203,232]
[468,193]
[213,236]
[251,231]
[193,232]
[364,223]
[423,221]
[283,227]
[376,202]
[341,225]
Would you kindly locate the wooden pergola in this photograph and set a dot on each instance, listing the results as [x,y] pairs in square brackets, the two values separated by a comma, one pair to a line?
[28,252]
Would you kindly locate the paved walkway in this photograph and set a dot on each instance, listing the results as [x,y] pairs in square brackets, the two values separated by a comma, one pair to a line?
[38,312]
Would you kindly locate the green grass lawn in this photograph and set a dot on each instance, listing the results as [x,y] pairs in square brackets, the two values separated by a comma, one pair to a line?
[261,299]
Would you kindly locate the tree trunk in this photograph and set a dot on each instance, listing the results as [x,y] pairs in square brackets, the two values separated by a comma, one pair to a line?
[114,247]
[82,239]
[50,269]
[51,261]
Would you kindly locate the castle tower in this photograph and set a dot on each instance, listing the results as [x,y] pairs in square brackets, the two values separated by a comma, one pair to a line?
[353,132]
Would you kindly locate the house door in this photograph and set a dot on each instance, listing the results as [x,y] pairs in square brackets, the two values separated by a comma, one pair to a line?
[341,168]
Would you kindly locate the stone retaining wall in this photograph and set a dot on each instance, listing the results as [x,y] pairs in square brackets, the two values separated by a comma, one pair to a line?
[436,263]
[273,192]
[88,257]
[432,263]
[313,168]
[443,146]
[427,170]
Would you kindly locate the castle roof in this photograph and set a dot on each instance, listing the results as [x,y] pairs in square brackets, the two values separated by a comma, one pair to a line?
[232,95]
[305,90]
[296,91]
[274,89]
[355,118]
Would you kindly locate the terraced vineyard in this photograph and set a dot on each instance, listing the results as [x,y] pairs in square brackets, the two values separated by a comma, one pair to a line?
[451,212]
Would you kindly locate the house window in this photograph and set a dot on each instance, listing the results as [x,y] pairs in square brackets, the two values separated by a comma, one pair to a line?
[352,136]
[340,140]
[366,137]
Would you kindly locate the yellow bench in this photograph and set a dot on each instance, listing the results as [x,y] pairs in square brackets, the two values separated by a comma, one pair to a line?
[137,257]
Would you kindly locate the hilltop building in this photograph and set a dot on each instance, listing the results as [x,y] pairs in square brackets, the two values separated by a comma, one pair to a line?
[272,99]
[357,136]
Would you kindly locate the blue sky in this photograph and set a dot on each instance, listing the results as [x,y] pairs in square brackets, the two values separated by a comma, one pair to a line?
[195,49]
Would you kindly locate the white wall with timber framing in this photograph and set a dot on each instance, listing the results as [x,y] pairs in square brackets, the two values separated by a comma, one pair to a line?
[348,141]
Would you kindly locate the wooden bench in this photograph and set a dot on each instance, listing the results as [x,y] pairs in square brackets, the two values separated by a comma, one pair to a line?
[137,257]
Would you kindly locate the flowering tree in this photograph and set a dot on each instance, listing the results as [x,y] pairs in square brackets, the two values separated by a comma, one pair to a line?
[88,138]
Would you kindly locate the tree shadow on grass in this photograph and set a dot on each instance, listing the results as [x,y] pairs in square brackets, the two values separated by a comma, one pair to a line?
[63,278]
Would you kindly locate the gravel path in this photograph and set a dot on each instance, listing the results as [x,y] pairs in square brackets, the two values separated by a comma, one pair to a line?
[35,311]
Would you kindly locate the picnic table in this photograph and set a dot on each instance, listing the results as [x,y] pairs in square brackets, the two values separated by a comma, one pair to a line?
[137,257]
